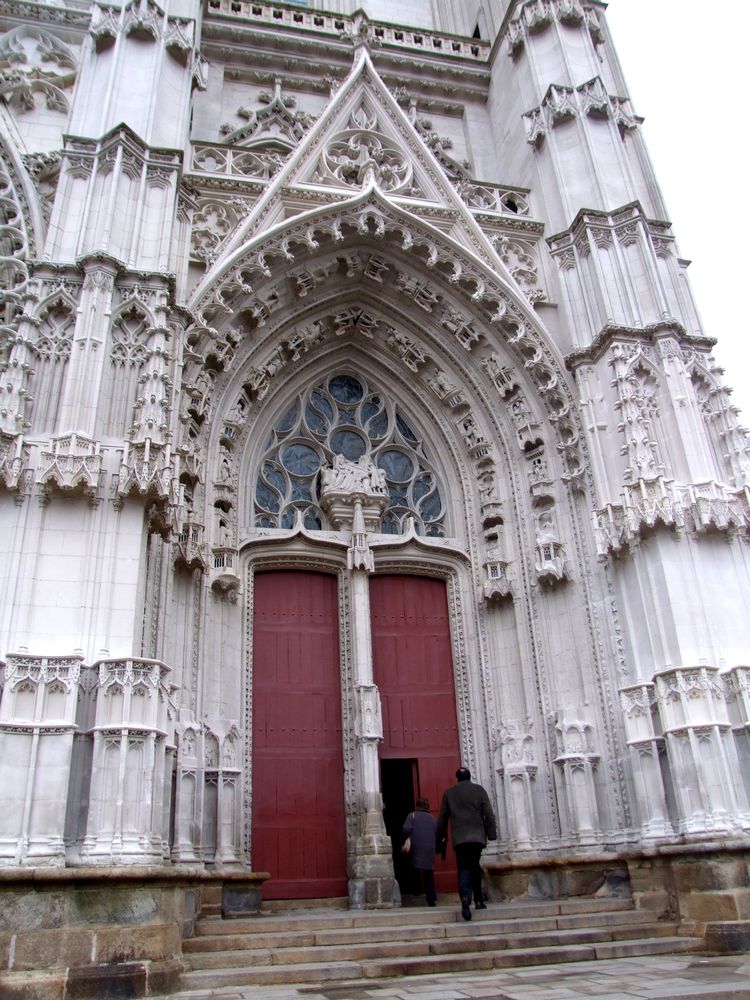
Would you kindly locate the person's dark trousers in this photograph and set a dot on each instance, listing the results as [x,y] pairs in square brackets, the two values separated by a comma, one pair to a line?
[428,882]
[469,872]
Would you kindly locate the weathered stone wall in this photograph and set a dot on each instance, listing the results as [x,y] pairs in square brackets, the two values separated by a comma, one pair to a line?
[93,933]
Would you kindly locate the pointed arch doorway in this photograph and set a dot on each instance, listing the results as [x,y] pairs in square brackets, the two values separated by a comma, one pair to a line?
[298,816]
[413,669]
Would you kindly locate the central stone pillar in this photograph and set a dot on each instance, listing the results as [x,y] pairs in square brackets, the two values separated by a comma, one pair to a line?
[354,495]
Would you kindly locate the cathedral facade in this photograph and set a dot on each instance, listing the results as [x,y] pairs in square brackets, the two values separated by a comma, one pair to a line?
[356,422]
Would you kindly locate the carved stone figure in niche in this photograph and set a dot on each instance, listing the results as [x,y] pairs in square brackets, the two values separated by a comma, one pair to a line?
[362,476]
[225,466]
[546,531]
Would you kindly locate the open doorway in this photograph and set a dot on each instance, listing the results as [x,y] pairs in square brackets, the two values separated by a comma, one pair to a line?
[399,782]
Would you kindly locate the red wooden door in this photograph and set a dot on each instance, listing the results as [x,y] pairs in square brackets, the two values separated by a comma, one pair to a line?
[298,824]
[413,668]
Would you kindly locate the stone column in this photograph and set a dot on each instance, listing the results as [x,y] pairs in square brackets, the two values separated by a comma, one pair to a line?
[709,794]
[188,811]
[124,823]
[576,764]
[517,772]
[737,684]
[646,752]
[37,727]
[354,496]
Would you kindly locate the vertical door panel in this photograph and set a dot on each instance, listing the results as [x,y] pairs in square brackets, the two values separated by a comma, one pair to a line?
[298,821]
[413,668]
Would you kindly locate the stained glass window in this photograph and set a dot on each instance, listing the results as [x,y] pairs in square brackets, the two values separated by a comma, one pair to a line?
[346,415]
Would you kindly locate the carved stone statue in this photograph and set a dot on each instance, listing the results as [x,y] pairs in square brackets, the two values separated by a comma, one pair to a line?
[362,476]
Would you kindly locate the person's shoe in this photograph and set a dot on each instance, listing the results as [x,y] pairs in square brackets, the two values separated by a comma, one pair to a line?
[432,903]
[480,905]
[466,909]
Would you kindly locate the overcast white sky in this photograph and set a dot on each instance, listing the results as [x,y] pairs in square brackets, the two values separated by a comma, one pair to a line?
[686,63]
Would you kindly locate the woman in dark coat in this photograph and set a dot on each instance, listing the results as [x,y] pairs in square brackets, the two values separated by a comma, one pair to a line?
[421,827]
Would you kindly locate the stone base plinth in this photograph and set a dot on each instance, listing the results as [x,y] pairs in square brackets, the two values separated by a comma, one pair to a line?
[557,877]
[705,886]
[242,894]
[708,883]
[87,933]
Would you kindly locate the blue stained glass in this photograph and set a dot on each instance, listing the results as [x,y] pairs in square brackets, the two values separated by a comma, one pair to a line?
[432,508]
[312,521]
[346,389]
[348,444]
[378,427]
[397,497]
[370,408]
[315,421]
[345,415]
[390,525]
[288,420]
[267,498]
[275,477]
[397,465]
[321,403]
[300,460]
[406,430]
[422,486]
[300,491]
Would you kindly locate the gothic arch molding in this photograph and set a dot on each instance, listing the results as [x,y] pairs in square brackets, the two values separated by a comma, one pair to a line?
[508,322]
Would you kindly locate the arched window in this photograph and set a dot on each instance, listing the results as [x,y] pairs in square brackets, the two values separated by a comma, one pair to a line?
[346,415]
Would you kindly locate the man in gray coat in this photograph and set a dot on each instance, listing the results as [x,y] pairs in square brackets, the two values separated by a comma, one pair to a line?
[467,806]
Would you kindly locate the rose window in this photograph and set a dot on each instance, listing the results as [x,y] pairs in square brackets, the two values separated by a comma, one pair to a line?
[345,415]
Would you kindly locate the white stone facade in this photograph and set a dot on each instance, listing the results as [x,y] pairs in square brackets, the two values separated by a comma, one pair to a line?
[207,213]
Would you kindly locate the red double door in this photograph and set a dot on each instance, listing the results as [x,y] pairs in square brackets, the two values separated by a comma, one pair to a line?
[299,824]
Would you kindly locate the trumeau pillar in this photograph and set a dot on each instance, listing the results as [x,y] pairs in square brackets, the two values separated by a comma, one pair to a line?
[354,495]
[37,728]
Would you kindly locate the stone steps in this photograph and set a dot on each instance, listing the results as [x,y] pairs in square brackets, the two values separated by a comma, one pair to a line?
[323,946]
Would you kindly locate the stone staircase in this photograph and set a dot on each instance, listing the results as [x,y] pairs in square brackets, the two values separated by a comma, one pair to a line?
[319,945]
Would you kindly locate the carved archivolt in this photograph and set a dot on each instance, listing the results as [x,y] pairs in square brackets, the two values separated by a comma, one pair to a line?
[240,288]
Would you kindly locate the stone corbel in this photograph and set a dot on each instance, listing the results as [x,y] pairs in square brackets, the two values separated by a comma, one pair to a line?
[190,550]
[143,17]
[73,461]
[179,38]
[105,25]
[497,587]
[14,458]
[550,563]
[225,578]
[145,470]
